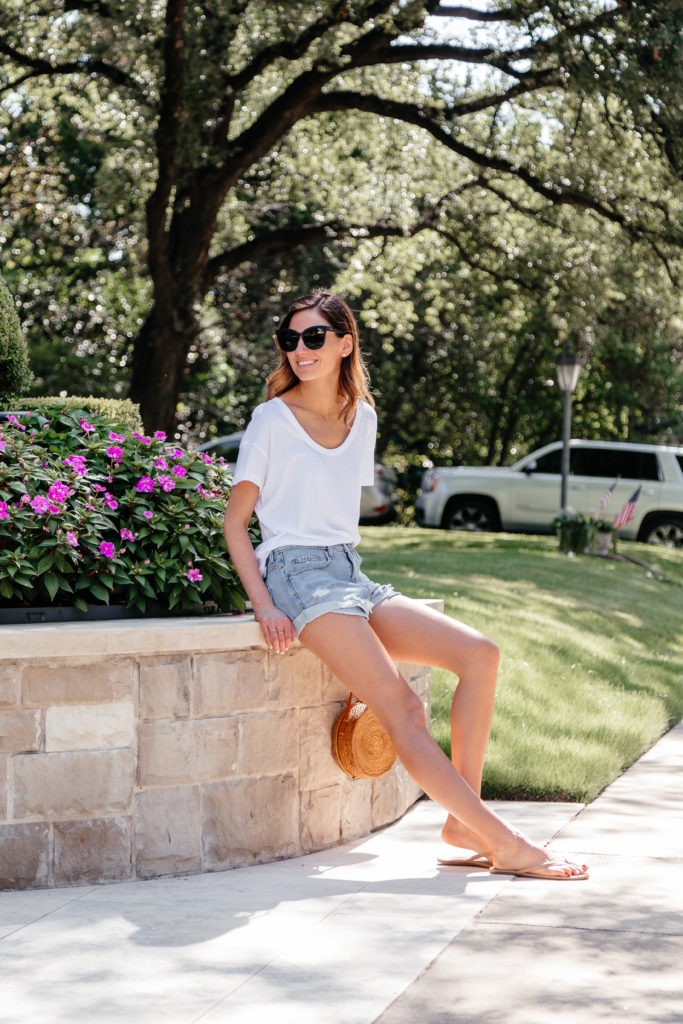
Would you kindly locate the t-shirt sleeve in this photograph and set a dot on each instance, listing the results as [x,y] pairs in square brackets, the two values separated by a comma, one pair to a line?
[368,466]
[252,458]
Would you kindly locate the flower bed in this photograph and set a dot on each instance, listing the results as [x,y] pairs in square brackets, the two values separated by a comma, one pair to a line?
[92,512]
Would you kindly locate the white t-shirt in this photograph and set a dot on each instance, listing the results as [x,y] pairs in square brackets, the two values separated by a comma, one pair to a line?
[309,495]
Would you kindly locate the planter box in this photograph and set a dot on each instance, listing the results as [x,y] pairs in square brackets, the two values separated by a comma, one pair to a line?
[142,748]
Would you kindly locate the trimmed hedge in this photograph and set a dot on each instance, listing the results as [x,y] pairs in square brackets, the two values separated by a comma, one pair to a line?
[15,373]
[117,410]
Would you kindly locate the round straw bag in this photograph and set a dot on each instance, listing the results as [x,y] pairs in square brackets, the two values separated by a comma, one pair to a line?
[360,745]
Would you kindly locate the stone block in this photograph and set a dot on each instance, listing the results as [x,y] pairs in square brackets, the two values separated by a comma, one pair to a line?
[187,752]
[317,767]
[247,821]
[74,784]
[332,689]
[168,831]
[81,681]
[97,850]
[20,730]
[10,688]
[165,687]
[392,795]
[224,684]
[90,726]
[268,743]
[24,855]
[356,808]
[295,679]
[320,818]
[4,766]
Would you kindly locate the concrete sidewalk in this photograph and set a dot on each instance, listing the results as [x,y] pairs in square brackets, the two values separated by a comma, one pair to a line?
[376,931]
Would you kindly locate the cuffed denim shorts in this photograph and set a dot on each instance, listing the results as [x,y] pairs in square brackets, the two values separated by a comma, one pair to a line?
[306,582]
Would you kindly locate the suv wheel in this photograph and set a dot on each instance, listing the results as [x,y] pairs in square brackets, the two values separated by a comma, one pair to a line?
[667,531]
[473,514]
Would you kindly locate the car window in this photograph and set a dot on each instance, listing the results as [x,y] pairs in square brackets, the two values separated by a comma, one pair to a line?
[227,451]
[679,459]
[614,462]
[551,462]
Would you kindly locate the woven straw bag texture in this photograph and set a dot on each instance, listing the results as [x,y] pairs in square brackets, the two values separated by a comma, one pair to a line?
[360,744]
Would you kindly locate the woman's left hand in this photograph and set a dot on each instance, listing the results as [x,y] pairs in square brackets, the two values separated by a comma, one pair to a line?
[278,631]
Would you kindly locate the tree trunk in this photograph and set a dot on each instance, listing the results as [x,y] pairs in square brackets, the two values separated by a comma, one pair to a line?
[159,359]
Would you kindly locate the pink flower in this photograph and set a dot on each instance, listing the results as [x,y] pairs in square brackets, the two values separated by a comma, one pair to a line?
[161,463]
[178,453]
[110,501]
[71,538]
[24,500]
[179,471]
[148,514]
[145,483]
[116,437]
[159,435]
[107,549]
[4,514]
[77,463]
[167,483]
[88,427]
[127,535]
[58,492]
[13,420]
[40,504]
[194,575]
[142,438]
[3,445]
[115,453]
[202,492]
[54,509]
[207,459]
[99,488]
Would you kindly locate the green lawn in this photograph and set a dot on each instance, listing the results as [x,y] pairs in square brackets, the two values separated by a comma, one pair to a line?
[592,666]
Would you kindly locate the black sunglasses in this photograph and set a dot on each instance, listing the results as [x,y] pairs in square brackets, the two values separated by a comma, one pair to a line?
[312,337]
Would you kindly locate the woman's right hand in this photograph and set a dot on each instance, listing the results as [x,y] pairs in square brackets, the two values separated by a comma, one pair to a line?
[278,631]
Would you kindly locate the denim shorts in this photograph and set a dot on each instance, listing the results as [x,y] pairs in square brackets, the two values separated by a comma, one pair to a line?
[306,582]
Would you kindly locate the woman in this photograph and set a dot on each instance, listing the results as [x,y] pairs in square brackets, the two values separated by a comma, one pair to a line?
[302,462]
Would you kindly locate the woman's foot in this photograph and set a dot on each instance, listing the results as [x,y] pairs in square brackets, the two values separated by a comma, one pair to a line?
[454,833]
[519,856]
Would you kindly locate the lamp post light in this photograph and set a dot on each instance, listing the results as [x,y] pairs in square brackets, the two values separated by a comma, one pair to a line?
[567,368]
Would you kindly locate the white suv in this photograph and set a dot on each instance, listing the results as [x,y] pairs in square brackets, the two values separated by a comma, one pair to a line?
[525,497]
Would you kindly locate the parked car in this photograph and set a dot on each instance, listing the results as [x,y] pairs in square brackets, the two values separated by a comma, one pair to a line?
[377,502]
[525,497]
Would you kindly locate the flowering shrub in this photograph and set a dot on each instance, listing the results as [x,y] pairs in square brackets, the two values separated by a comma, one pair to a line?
[95,513]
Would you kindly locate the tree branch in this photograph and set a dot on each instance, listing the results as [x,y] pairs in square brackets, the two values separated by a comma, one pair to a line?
[286,238]
[471,14]
[419,116]
[85,66]
[167,139]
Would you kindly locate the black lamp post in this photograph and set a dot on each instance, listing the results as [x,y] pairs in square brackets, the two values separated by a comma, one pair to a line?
[567,367]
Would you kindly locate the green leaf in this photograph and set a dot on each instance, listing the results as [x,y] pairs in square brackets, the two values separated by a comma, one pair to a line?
[51,584]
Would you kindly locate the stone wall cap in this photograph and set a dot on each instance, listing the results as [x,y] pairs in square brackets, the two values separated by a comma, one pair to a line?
[136,636]
[130,636]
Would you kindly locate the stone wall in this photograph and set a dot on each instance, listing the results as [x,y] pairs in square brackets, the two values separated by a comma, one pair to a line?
[156,747]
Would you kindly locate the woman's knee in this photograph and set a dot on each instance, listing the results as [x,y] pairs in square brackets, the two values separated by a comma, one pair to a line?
[407,711]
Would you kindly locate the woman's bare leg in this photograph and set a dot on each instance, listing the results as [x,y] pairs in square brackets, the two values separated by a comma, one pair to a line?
[353,652]
[413,632]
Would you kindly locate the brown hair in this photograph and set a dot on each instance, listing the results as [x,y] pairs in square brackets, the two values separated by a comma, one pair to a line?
[354,380]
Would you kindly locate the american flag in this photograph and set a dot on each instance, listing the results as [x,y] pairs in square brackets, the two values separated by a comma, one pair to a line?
[625,514]
[605,500]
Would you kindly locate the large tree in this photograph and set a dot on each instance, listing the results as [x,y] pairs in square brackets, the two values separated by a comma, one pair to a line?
[155,121]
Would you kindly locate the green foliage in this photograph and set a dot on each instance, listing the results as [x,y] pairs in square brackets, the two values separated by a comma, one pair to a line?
[591,670]
[92,512]
[178,175]
[115,410]
[14,367]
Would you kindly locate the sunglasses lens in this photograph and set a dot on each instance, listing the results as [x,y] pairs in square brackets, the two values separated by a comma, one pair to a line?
[287,339]
[314,337]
